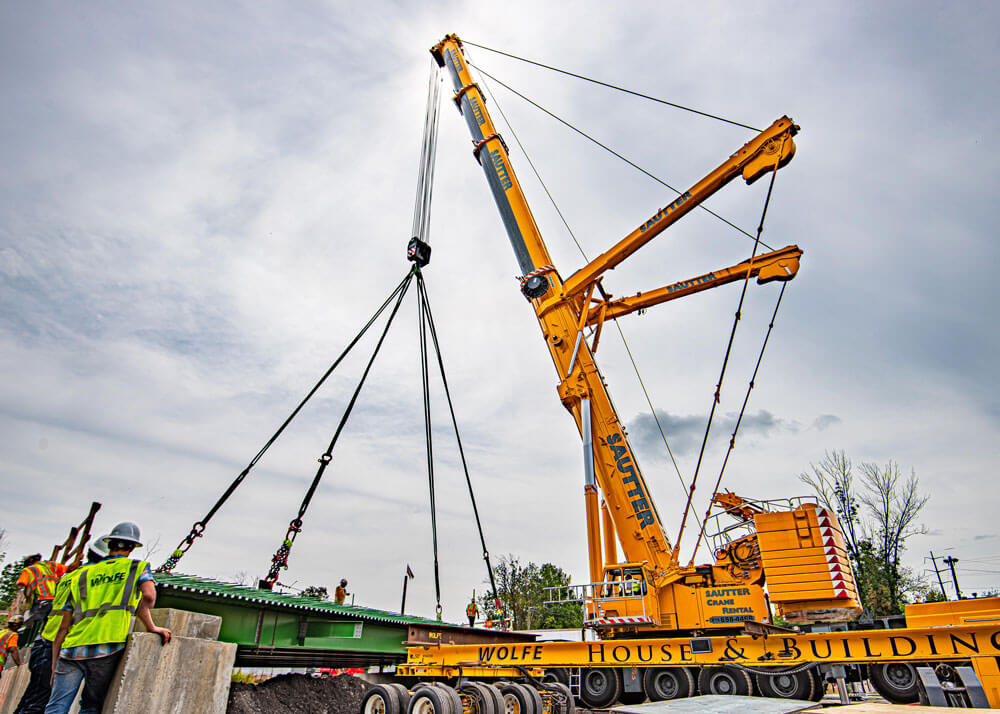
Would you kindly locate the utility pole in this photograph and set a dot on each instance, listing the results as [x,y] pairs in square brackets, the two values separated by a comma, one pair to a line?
[938,573]
[950,562]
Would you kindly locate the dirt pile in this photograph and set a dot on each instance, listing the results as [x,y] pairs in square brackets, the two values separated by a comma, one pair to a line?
[298,694]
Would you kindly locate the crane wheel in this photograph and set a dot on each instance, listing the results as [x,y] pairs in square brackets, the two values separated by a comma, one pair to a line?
[724,680]
[430,700]
[895,681]
[383,699]
[600,687]
[483,699]
[779,685]
[520,699]
[662,683]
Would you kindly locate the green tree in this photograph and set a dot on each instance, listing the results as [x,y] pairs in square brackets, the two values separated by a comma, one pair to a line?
[878,513]
[522,592]
[317,592]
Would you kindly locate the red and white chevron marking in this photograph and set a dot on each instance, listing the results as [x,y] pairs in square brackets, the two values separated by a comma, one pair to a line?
[628,620]
[840,570]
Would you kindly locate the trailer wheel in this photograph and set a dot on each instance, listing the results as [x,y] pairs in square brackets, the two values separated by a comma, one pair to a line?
[429,700]
[567,706]
[600,687]
[724,680]
[556,674]
[799,685]
[456,701]
[483,698]
[382,699]
[662,683]
[896,681]
[819,684]
[519,699]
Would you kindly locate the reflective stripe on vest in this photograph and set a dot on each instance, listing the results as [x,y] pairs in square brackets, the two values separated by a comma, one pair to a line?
[104,600]
[43,580]
[8,639]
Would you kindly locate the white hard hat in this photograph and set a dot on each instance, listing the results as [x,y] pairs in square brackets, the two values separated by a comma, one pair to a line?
[126,531]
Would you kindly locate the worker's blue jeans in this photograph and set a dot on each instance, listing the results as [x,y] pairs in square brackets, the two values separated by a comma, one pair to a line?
[96,676]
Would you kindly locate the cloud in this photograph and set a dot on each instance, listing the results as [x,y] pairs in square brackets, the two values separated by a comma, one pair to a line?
[685,433]
[984,536]
[823,421]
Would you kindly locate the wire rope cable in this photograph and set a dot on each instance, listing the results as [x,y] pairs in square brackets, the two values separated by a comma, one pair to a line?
[607,148]
[280,559]
[729,349]
[425,300]
[428,152]
[739,419]
[613,86]
[198,529]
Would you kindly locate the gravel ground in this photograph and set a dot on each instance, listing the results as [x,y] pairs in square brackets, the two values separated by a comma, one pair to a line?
[298,694]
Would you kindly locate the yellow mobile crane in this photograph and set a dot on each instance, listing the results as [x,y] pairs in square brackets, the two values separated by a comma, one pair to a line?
[651,591]
[669,629]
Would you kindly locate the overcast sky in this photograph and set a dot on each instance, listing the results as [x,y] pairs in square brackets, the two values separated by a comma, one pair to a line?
[202,203]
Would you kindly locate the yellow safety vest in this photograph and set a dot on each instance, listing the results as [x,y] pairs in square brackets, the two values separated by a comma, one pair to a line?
[104,598]
[62,593]
[8,639]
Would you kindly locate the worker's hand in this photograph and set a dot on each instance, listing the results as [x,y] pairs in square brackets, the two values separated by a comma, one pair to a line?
[164,633]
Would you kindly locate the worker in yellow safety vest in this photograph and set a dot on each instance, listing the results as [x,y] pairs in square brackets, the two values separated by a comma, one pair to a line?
[36,585]
[36,696]
[96,620]
[8,645]
[471,612]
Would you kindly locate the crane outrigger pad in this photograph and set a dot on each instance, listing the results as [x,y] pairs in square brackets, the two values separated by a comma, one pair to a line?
[721,704]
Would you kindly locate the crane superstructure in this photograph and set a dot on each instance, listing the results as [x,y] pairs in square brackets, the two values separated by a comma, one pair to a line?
[650,589]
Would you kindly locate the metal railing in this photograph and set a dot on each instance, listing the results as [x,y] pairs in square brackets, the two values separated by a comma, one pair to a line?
[721,535]
[593,597]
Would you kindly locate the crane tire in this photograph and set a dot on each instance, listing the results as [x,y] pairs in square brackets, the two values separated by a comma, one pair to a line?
[600,687]
[895,681]
[519,699]
[799,685]
[484,699]
[662,683]
[382,699]
[430,700]
[724,680]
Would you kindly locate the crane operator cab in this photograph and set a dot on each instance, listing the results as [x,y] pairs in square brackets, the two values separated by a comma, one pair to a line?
[622,597]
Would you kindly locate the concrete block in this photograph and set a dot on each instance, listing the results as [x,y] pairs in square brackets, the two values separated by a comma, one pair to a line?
[13,683]
[183,623]
[187,675]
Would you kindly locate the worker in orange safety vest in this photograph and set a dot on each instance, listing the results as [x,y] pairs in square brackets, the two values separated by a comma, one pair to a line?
[36,587]
[8,645]
[472,611]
